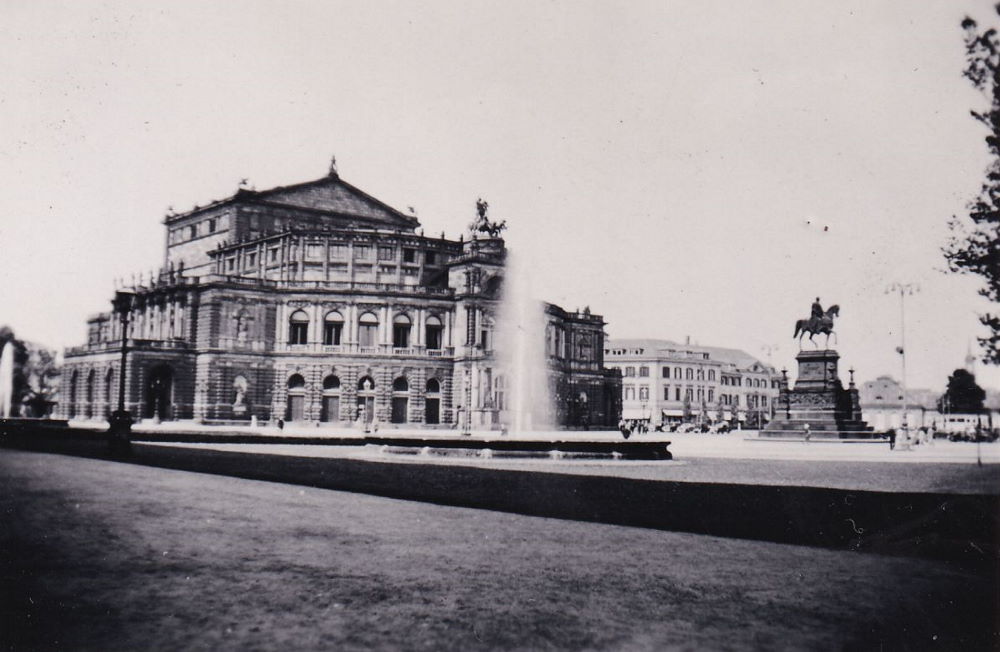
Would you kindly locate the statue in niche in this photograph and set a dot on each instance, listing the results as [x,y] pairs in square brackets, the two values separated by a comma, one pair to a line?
[240,386]
[242,325]
[483,224]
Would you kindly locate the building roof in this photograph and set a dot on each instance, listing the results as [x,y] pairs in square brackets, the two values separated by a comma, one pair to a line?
[735,357]
[329,194]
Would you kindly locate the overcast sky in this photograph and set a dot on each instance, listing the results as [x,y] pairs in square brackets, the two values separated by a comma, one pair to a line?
[699,169]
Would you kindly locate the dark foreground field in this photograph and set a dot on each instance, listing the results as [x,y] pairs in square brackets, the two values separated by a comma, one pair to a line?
[101,556]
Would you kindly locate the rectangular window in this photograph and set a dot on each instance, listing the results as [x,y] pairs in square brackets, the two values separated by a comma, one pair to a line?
[629,393]
[251,260]
[434,337]
[211,225]
[338,250]
[385,253]
[630,371]
[274,255]
[192,231]
[230,264]
[409,255]
[677,393]
[362,252]
[331,333]
[298,332]
[677,373]
[367,334]
[430,257]
[314,251]
[643,393]
[644,372]
[666,372]
[711,395]
[666,393]
[401,336]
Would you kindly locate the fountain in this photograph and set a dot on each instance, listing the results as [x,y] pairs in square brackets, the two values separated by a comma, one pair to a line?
[6,380]
[521,355]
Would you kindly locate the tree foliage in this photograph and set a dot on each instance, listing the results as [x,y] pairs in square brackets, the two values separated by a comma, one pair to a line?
[963,394]
[974,247]
[36,375]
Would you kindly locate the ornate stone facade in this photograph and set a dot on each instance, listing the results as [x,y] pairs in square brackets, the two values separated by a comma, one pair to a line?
[319,303]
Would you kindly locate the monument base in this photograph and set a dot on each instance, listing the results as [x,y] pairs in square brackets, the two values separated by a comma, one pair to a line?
[819,407]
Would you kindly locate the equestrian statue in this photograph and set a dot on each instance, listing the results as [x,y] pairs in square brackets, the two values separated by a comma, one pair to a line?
[483,224]
[820,322]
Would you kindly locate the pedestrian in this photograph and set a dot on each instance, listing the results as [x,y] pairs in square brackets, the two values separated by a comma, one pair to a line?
[281,424]
[892,438]
[807,433]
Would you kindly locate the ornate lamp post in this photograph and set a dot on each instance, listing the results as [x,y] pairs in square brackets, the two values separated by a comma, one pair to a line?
[903,289]
[788,400]
[120,420]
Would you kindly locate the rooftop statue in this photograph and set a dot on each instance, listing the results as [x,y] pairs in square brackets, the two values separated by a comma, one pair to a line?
[482,223]
[820,322]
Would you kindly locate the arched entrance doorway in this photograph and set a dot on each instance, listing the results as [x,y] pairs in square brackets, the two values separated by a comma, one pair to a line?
[331,399]
[295,410]
[366,399]
[400,399]
[432,403]
[159,401]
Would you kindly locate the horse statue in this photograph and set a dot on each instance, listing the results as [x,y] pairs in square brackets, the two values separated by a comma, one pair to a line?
[483,224]
[822,325]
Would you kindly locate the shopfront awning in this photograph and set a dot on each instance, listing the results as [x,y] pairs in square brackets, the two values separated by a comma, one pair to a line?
[672,413]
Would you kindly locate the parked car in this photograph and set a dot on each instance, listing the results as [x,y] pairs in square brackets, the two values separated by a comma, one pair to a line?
[719,427]
[687,427]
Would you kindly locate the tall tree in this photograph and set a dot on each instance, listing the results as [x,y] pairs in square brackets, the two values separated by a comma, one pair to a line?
[963,394]
[974,246]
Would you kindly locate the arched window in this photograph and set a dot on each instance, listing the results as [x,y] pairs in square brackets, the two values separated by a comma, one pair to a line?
[366,384]
[432,403]
[677,373]
[330,383]
[401,331]
[400,385]
[298,328]
[433,333]
[711,374]
[333,326]
[689,374]
[296,381]
[109,391]
[700,374]
[72,394]
[90,393]
[583,349]
[367,329]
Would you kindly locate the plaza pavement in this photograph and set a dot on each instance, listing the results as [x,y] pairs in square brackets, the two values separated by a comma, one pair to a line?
[740,444]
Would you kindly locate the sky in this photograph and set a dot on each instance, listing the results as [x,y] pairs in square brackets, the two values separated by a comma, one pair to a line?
[686,169]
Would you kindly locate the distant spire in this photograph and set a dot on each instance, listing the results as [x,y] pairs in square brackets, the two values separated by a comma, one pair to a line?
[970,360]
[333,167]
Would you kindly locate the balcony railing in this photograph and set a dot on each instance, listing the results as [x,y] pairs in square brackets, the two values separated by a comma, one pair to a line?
[133,345]
[357,349]
[342,286]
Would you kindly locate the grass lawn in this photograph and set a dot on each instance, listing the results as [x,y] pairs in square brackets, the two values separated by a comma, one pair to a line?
[103,556]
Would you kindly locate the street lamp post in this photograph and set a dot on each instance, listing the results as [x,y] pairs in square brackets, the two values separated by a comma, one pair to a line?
[120,421]
[788,400]
[903,289]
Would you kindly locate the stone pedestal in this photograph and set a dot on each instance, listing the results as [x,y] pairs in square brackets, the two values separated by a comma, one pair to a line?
[820,400]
